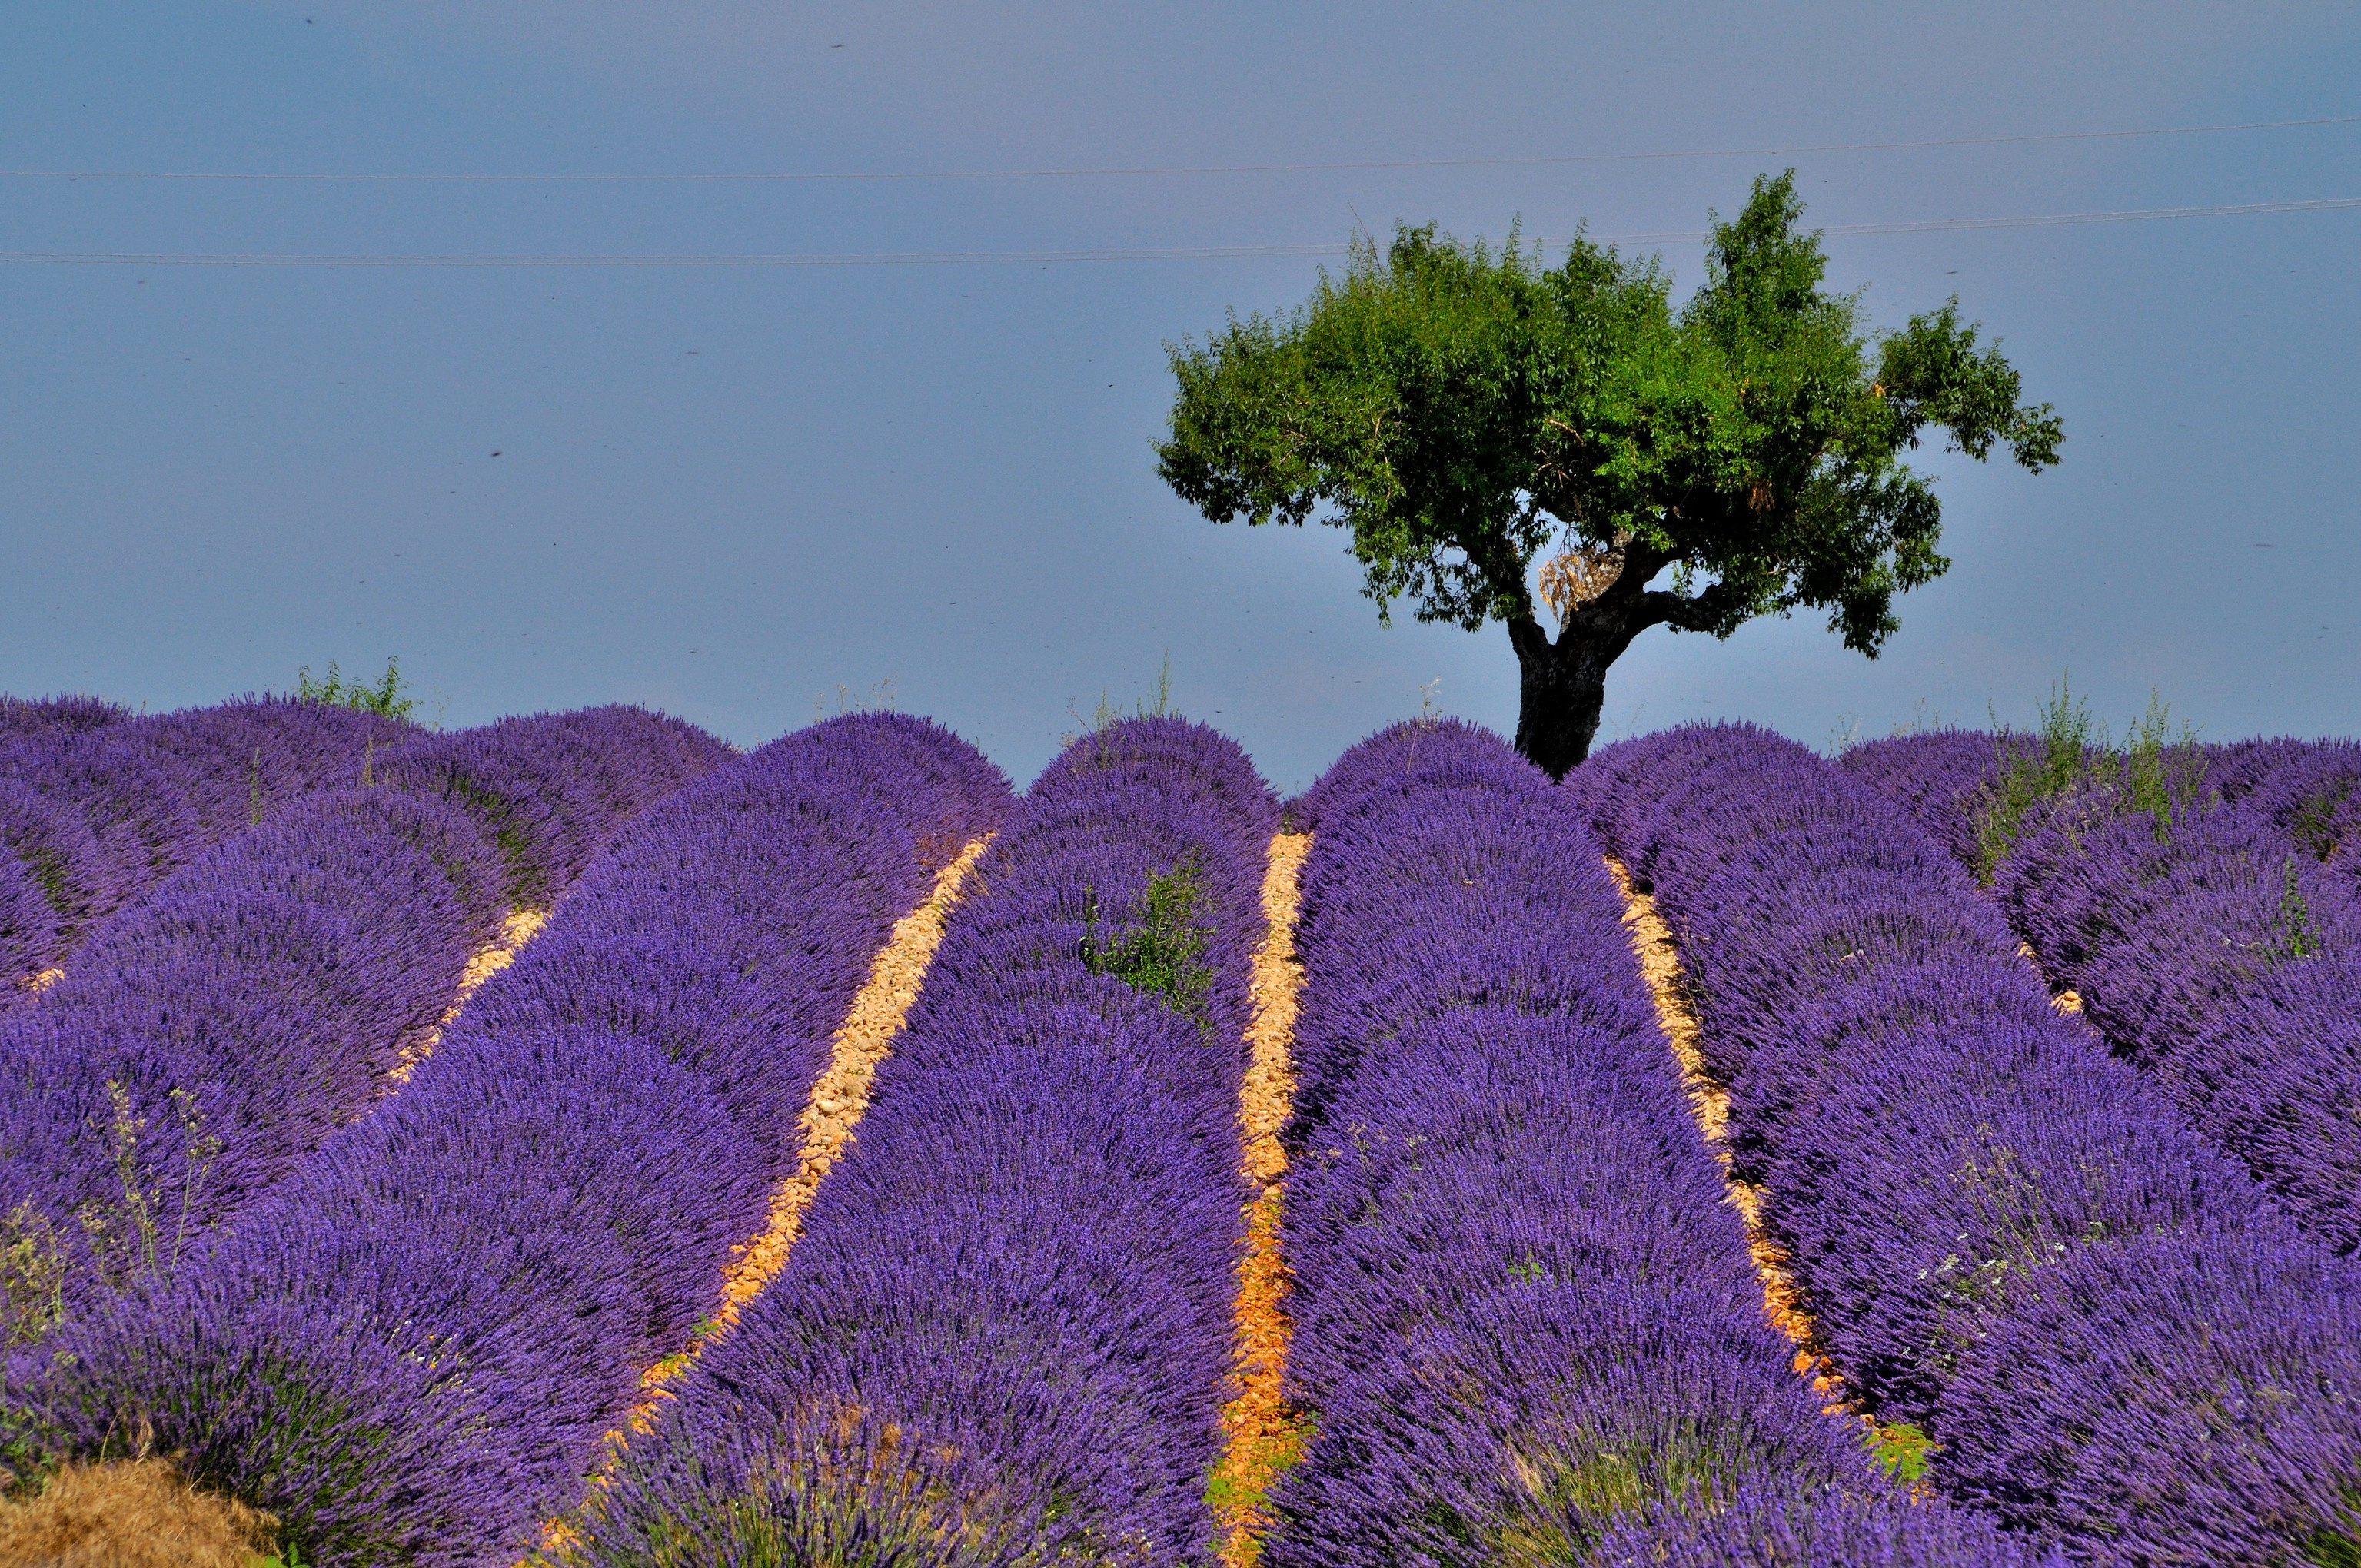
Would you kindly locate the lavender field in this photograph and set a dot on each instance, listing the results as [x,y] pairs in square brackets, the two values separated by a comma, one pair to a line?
[577,1141]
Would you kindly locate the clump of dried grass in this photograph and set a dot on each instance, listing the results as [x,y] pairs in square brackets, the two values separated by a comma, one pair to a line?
[135,1514]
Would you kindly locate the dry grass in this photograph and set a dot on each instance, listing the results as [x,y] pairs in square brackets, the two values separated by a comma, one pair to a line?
[835,1107]
[1263,1435]
[135,1514]
[38,983]
[1579,574]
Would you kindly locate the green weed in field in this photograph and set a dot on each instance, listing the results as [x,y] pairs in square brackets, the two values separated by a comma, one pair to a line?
[1164,953]
[385,698]
[2070,758]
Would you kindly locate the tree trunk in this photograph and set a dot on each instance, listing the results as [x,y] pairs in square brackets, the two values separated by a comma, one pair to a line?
[1561,688]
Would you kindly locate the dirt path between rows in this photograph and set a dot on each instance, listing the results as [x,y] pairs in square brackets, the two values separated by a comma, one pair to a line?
[1263,1436]
[825,1127]
[1659,962]
[1902,1450]
[520,927]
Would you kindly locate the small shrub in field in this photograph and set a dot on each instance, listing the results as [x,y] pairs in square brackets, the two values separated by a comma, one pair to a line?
[384,698]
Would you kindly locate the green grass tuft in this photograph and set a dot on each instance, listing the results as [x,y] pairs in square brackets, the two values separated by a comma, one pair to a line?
[385,698]
[1902,1451]
[2070,758]
[1163,952]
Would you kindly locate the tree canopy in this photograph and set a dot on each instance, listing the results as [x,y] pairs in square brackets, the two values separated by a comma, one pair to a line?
[1459,408]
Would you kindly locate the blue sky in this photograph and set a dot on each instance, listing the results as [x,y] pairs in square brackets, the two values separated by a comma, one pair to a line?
[734,492]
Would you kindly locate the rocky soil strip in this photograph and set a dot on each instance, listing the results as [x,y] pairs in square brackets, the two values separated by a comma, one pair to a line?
[1262,1432]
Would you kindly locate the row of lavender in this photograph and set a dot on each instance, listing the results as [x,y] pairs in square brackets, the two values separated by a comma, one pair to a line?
[1005,1334]
[2216,949]
[96,805]
[212,1033]
[2311,788]
[1527,1325]
[1998,1231]
[411,1349]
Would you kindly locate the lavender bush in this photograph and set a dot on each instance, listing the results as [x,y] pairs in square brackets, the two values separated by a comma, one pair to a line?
[1523,1313]
[137,822]
[1005,1332]
[28,924]
[53,851]
[410,1350]
[1784,1527]
[99,805]
[555,786]
[2217,953]
[1977,1202]
[210,1035]
[53,715]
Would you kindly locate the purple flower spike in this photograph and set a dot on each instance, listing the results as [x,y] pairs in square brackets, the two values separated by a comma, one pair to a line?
[1524,1309]
[412,1348]
[2114,1336]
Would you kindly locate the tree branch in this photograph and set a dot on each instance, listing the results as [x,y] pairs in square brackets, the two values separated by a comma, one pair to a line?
[1707,610]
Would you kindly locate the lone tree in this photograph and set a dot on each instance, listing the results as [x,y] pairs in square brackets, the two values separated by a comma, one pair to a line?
[1462,411]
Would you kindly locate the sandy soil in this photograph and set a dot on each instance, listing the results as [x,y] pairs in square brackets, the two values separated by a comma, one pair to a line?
[1264,1436]
[520,927]
[2065,1001]
[825,1127]
[1661,963]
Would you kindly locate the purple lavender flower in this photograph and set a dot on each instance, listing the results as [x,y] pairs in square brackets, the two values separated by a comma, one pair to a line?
[1004,1334]
[411,1349]
[1996,1229]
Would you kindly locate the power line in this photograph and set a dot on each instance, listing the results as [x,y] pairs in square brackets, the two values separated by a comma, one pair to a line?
[1370,165]
[802,259]
[1048,257]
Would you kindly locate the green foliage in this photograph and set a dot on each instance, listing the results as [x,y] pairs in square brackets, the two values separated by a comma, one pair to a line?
[2313,822]
[32,1276]
[2157,771]
[2163,773]
[1902,1451]
[1156,703]
[1163,951]
[385,698]
[1572,1493]
[49,869]
[1227,1496]
[528,884]
[2055,760]
[2337,1543]
[1456,408]
[2292,935]
[863,1495]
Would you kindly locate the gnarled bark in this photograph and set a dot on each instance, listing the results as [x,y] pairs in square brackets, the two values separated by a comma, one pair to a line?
[1562,684]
